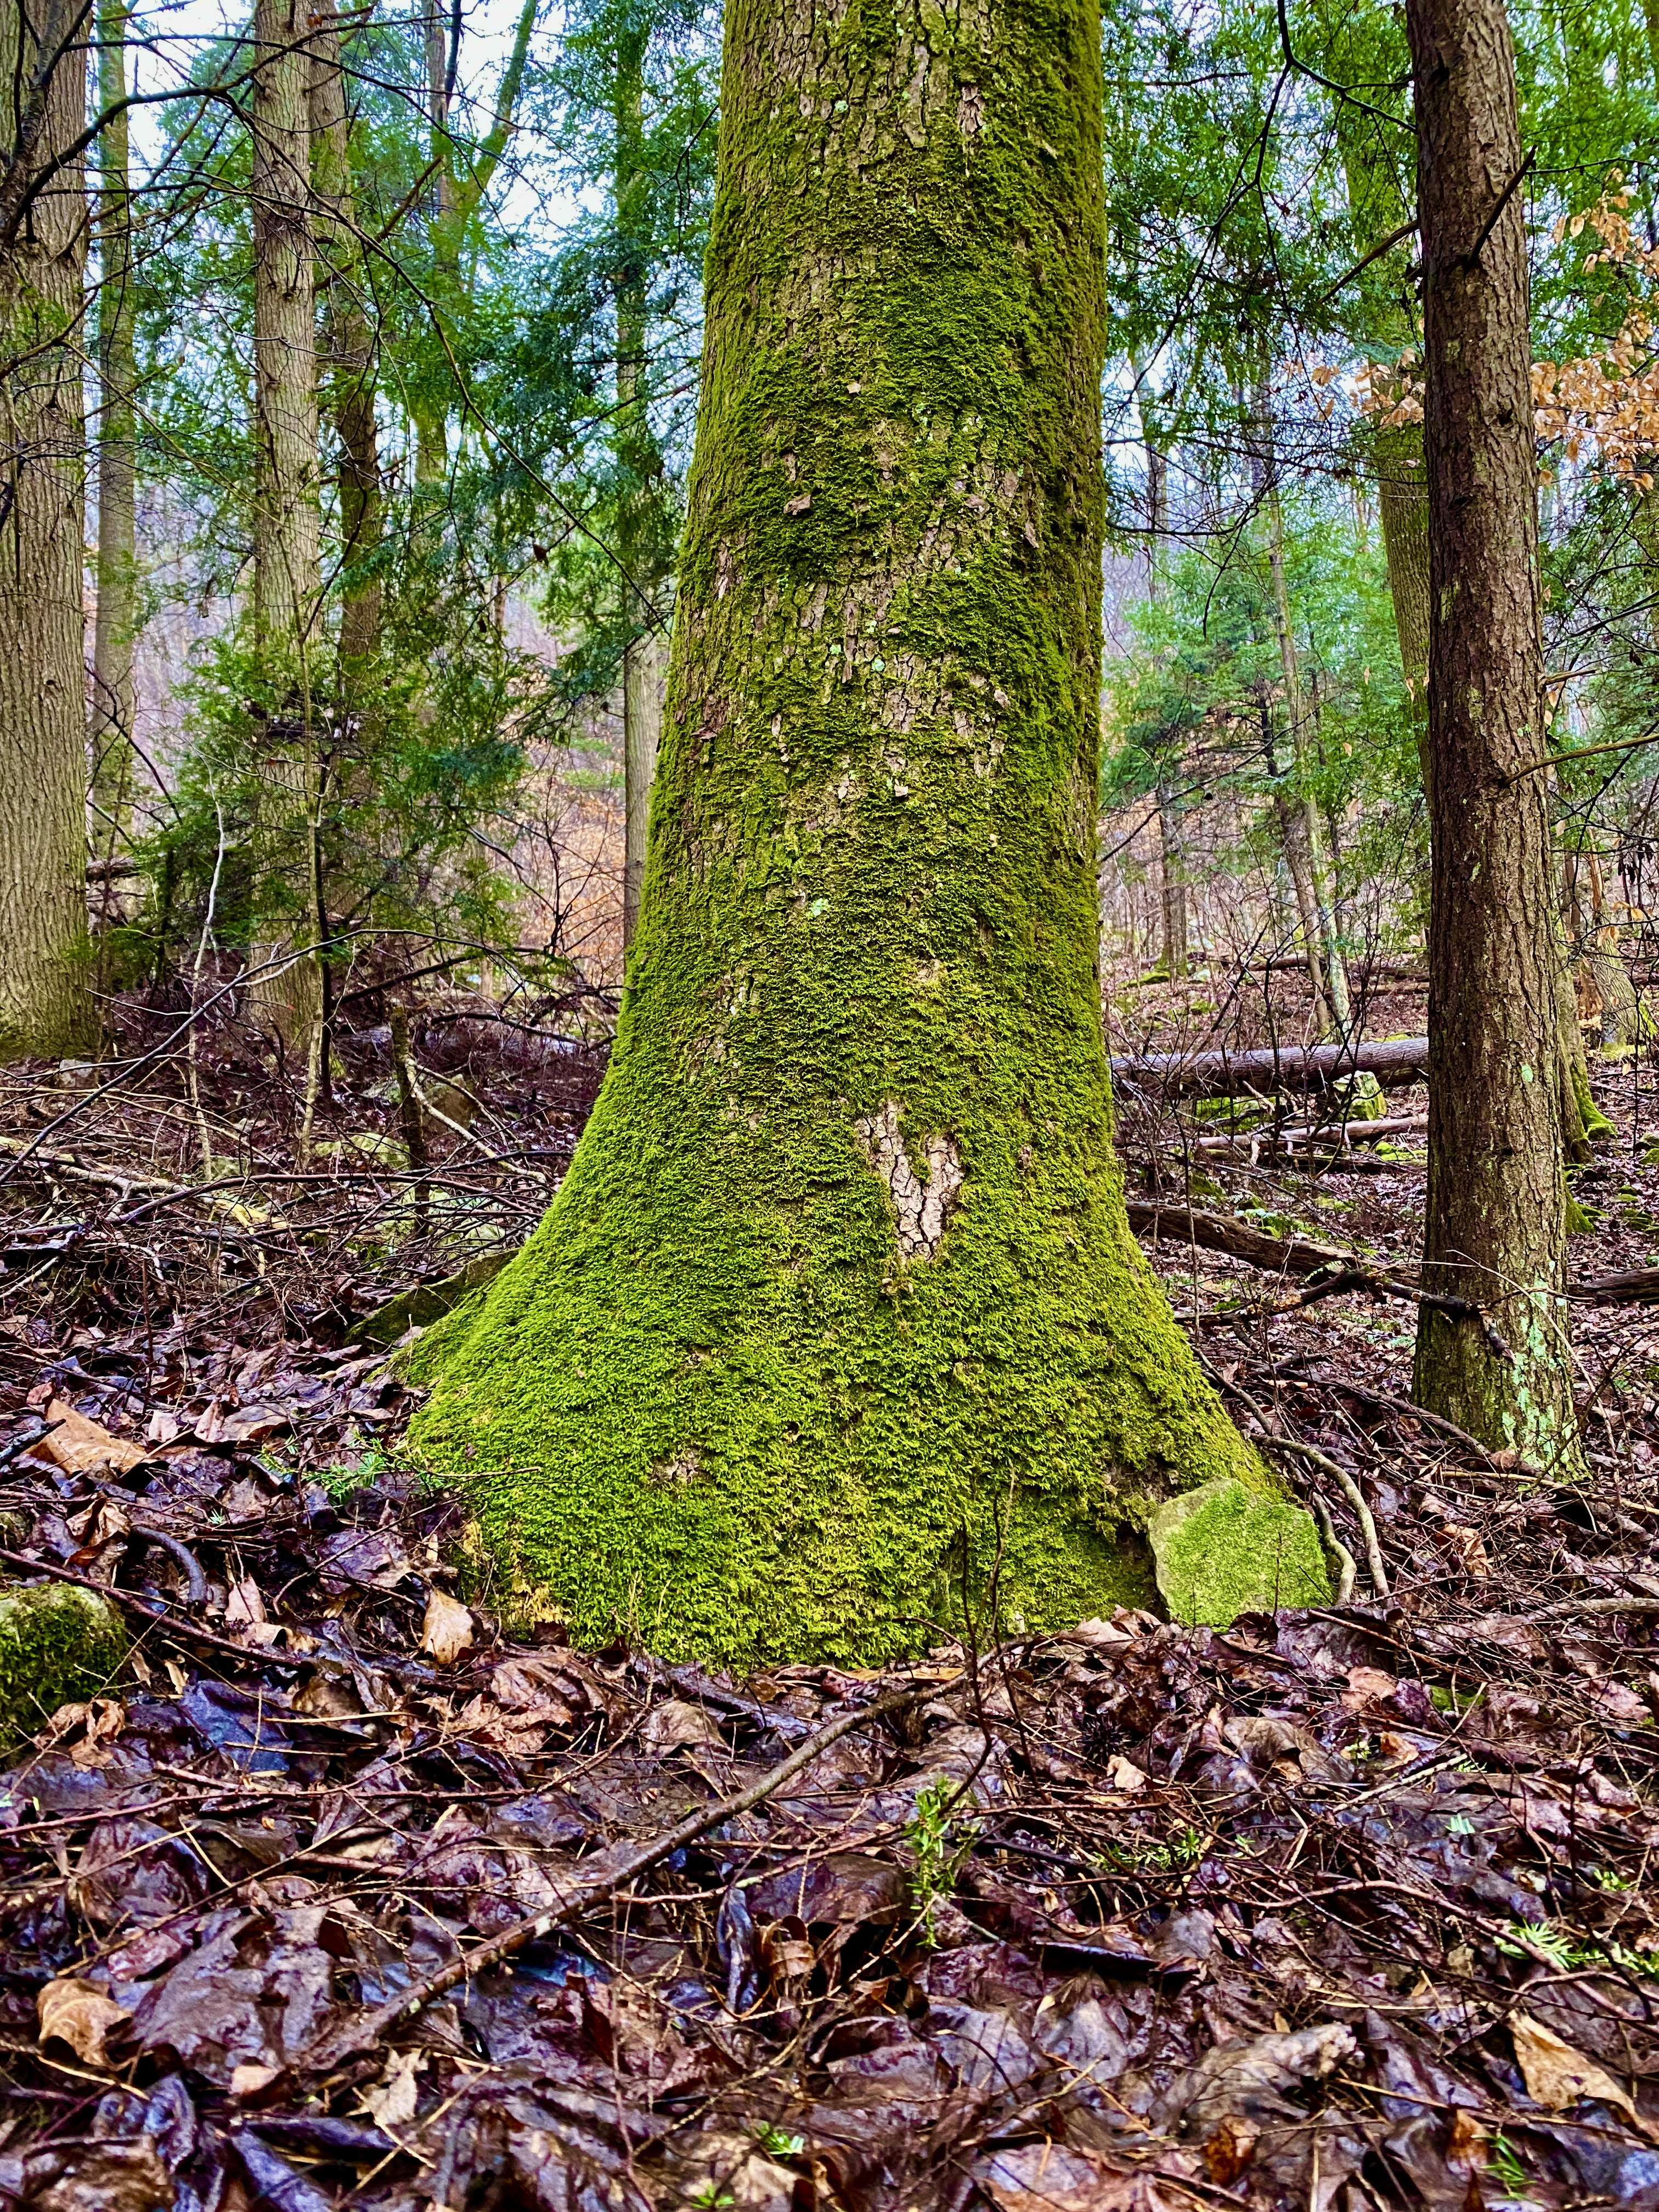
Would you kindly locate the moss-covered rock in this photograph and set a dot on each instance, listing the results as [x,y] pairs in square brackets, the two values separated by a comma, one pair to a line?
[1222,1550]
[836,1320]
[58,1644]
[421,1304]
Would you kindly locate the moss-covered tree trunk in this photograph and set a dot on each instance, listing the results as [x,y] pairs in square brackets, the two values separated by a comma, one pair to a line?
[1495,1222]
[836,1314]
[45,1004]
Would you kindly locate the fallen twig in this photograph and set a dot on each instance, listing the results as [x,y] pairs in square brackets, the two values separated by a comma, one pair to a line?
[1351,1490]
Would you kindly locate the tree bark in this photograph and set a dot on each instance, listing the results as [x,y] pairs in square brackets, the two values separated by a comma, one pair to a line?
[1172,882]
[349,388]
[1367,52]
[644,680]
[1293,844]
[286,990]
[114,691]
[1495,1225]
[45,1001]
[836,1313]
[1314,856]
[638,463]
[1172,854]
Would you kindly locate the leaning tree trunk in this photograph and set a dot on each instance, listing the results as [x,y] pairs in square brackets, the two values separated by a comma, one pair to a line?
[45,1001]
[287,552]
[115,687]
[1494,1232]
[836,1319]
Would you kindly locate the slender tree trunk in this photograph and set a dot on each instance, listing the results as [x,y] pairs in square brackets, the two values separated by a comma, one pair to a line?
[1369,51]
[1172,856]
[46,1000]
[115,634]
[286,537]
[1314,857]
[644,671]
[1172,873]
[1403,500]
[349,387]
[1623,1021]
[1495,1227]
[836,1304]
[431,407]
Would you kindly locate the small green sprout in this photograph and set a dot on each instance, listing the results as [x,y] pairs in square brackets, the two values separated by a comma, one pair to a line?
[778,2142]
[938,1857]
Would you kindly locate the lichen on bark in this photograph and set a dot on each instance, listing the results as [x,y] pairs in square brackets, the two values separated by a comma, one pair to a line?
[836,1323]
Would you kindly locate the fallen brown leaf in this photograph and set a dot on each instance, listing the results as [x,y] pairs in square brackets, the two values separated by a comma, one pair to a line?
[79,2014]
[84,1447]
[1557,2076]
[446,1628]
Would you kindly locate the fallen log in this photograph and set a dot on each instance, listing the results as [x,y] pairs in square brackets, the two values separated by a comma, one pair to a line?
[1296,1136]
[1172,1223]
[1633,1286]
[1221,1233]
[1394,1061]
[1333,1271]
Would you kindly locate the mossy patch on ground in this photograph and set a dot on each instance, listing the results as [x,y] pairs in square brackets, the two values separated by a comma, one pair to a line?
[1222,1550]
[58,1644]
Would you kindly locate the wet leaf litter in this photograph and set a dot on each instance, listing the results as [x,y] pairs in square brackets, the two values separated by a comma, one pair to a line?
[336,1892]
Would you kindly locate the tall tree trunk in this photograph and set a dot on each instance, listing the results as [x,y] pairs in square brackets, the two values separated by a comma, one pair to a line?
[1315,859]
[1623,1021]
[114,690]
[348,385]
[1172,875]
[1293,840]
[1368,52]
[431,407]
[287,536]
[45,1001]
[1172,852]
[836,1304]
[1403,500]
[642,670]
[1495,1226]
[644,673]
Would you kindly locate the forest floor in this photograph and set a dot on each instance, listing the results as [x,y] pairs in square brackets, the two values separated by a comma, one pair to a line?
[340,1894]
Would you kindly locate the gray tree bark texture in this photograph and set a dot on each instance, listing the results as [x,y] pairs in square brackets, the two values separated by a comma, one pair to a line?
[114,691]
[1495,1228]
[287,540]
[45,998]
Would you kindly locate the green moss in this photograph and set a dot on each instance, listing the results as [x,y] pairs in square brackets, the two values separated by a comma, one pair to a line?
[58,1644]
[425,1302]
[1223,1550]
[1594,1123]
[836,1324]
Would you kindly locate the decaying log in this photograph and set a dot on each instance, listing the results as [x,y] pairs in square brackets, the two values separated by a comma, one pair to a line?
[1394,1061]
[1219,1232]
